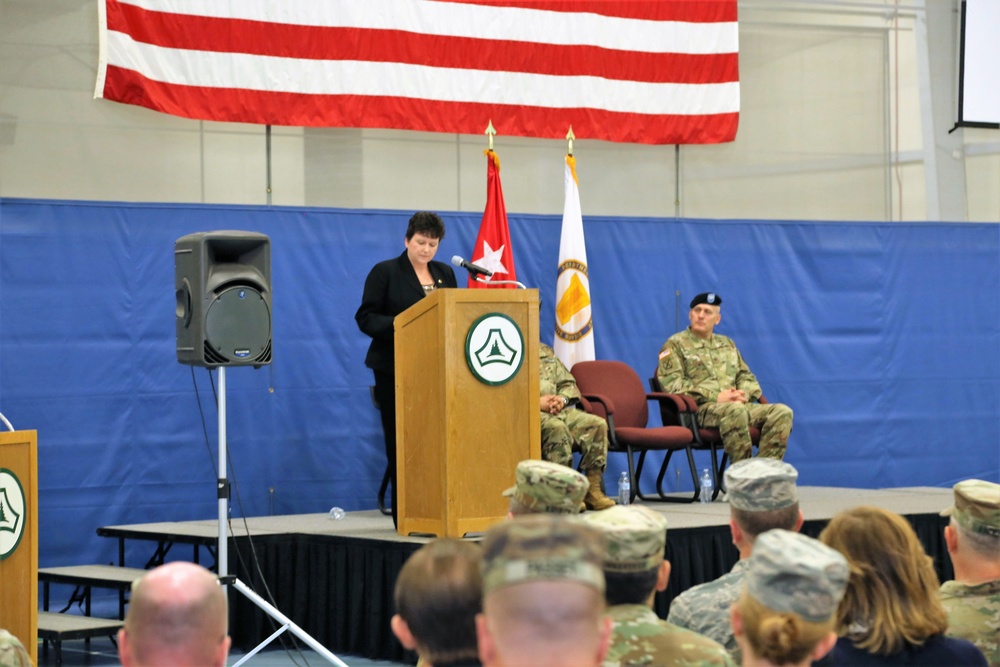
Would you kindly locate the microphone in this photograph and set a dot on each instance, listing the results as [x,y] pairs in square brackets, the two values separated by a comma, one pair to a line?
[470,267]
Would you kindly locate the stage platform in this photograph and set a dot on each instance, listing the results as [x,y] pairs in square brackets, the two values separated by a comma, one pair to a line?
[335,578]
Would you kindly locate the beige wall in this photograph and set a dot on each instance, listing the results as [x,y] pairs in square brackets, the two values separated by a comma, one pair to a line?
[831,128]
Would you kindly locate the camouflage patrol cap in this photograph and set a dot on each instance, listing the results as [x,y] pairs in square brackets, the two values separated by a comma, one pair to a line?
[636,535]
[761,485]
[543,486]
[977,506]
[711,298]
[12,651]
[542,547]
[791,573]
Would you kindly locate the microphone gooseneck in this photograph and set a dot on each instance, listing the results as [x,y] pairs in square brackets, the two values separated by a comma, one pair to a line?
[470,267]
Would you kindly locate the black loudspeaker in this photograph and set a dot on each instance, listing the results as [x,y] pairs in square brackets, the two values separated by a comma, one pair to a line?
[223,287]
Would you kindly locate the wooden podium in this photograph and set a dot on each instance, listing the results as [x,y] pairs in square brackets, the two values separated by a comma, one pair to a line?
[459,437]
[19,537]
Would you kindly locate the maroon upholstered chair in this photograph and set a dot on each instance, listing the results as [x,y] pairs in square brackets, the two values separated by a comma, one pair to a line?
[707,438]
[614,392]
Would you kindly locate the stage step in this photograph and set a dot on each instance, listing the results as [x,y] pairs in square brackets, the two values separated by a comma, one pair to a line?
[85,578]
[54,627]
[100,576]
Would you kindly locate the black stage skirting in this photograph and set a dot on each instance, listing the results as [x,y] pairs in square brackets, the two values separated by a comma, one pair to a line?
[339,588]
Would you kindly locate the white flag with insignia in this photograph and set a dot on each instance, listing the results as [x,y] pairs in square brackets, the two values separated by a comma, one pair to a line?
[574,340]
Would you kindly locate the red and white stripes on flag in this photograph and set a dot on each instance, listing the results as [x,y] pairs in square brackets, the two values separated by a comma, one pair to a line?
[637,71]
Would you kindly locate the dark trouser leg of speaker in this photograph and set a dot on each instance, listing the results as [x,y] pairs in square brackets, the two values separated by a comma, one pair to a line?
[385,394]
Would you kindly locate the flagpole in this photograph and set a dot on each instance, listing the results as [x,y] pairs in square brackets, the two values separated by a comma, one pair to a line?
[492,249]
[574,336]
[490,133]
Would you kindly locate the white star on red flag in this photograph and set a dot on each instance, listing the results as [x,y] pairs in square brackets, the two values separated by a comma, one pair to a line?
[491,260]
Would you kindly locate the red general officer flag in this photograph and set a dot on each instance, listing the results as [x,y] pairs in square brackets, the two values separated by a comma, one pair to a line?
[492,250]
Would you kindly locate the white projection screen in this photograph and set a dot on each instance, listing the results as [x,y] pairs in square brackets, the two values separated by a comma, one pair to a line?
[979,64]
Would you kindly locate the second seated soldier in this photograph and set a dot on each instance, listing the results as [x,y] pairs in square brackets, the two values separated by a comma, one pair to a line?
[564,425]
[708,367]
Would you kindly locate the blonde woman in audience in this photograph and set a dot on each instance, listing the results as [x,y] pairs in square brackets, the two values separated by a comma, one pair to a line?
[785,613]
[891,613]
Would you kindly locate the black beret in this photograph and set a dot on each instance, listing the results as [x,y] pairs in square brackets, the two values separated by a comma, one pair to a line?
[711,298]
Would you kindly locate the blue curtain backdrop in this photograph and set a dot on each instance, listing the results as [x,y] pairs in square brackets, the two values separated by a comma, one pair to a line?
[884,338]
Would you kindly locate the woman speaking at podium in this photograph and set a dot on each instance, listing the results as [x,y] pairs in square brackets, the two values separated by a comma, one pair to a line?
[393,286]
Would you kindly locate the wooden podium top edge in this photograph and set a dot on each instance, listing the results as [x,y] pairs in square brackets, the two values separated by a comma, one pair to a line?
[461,295]
[486,294]
[14,437]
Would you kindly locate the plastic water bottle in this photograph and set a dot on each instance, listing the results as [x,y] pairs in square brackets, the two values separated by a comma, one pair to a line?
[336,514]
[624,489]
[706,487]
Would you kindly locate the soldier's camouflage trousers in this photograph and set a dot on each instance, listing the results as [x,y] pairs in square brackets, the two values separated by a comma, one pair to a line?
[589,432]
[735,419]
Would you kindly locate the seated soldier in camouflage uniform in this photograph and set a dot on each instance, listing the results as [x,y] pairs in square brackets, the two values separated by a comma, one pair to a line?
[543,487]
[762,496]
[709,368]
[972,600]
[788,606]
[564,426]
[634,570]
[543,594]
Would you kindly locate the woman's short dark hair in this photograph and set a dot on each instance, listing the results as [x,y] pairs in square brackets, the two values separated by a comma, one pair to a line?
[629,587]
[426,223]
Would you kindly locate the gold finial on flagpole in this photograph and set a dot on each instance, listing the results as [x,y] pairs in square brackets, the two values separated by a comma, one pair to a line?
[490,131]
[570,137]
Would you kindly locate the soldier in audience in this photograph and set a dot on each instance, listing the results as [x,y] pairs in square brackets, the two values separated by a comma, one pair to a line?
[709,368]
[178,616]
[565,425]
[12,651]
[786,610]
[543,487]
[634,570]
[438,594]
[972,600]
[762,496]
[543,594]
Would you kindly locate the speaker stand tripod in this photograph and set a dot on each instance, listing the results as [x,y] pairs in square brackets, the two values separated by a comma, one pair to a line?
[223,553]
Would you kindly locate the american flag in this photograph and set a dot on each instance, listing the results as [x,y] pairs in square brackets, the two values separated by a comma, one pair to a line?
[639,71]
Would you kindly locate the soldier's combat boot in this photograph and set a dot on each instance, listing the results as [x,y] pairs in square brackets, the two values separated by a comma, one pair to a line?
[595,498]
